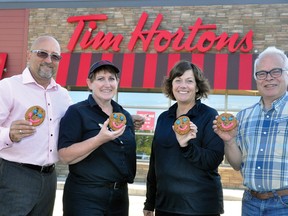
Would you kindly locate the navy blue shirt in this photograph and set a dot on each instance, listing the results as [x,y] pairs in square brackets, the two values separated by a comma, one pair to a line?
[186,180]
[114,161]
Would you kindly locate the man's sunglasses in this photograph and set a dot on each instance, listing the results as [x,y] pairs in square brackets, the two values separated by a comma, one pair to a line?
[42,54]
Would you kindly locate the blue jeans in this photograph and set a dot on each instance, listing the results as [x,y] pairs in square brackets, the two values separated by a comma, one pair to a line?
[252,206]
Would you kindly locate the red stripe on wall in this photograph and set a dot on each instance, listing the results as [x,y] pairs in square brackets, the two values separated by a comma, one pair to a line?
[150,70]
[172,59]
[198,59]
[108,56]
[220,72]
[245,71]
[218,68]
[83,70]
[63,69]
[127,70]
[3,57]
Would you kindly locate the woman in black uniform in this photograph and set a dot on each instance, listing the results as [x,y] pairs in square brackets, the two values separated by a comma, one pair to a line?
[101,161]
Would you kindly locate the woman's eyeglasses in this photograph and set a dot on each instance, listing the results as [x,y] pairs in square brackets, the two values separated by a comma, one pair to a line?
[275,73]
[42,54]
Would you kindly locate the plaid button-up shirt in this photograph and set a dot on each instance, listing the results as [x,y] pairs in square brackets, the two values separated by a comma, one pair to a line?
[263,140]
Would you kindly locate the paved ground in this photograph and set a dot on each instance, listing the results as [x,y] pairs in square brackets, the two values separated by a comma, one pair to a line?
[232,203]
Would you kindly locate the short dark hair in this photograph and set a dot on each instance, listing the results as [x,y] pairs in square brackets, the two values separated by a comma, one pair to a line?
[177,71]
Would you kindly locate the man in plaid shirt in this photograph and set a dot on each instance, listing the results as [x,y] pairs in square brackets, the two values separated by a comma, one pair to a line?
[259,146]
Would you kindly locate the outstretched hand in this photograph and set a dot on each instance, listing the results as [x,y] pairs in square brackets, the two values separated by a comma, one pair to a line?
[106,134]
[226,136]
[148,213]
[138,121]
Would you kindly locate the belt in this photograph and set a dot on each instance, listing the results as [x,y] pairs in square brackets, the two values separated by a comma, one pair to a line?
[41,169]
[268,195]
[116,185]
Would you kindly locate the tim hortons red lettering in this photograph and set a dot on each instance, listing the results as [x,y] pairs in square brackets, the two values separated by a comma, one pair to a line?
[178,39]
[162,38]
[106,41]
[145,36]
[79,28]
[193,32]
[245,45]
[206,41]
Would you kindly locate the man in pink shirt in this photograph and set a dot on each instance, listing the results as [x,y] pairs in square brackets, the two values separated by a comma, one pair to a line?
[28,152]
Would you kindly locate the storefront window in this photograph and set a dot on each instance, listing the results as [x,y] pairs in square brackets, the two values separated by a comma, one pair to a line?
[78,96]
[215,101]
[238,102]
[130,99]
[153,104]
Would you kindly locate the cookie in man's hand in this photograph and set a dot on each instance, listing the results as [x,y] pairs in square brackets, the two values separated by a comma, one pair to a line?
[35,115]
[226,122]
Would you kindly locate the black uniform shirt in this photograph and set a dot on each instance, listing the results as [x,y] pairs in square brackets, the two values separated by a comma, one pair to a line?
[114,161]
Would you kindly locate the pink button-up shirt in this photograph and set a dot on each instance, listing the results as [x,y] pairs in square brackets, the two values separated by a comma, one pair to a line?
[17,94]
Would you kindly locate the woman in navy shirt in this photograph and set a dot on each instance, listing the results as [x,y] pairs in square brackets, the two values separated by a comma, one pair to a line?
[183,177]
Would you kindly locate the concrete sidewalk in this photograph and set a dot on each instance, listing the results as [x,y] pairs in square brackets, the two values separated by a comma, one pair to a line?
[232,200]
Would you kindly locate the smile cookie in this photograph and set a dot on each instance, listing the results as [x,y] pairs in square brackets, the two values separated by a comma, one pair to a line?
[117,121]
[226,122]
[35,115]
[182,125]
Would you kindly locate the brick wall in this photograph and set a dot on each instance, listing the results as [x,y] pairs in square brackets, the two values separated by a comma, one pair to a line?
[230,178]
[269,22]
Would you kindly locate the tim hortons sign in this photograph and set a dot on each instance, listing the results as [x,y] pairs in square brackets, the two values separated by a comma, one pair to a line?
[162,39]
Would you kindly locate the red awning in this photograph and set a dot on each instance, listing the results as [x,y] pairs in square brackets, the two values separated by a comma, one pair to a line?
[3,58]
[140,70]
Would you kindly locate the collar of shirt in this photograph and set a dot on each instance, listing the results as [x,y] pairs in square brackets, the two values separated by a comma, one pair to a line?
[28,78]
[276,104]
[116,107]
[192,112]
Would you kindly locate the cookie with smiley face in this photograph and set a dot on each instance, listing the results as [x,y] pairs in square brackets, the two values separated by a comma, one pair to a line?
[117,120]
[226,122]
[35,115]
[182,125]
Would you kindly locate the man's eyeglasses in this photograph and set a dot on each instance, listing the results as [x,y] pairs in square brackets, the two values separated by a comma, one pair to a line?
[275,73]
[42,54]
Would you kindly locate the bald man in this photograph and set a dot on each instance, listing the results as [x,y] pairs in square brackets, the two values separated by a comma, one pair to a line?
[28,151]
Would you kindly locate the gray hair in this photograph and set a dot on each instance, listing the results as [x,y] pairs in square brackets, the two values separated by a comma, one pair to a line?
[271,50]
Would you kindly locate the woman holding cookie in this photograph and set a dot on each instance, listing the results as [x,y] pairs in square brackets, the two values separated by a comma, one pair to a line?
[101,152]
[183,177]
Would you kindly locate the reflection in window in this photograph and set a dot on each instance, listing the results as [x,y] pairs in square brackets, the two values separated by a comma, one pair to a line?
[215,101]
[78,96]
[143,99]
[239,102]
